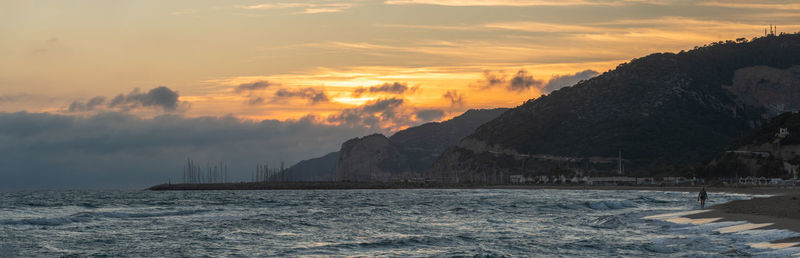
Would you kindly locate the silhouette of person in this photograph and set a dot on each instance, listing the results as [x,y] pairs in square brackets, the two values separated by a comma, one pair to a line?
[702,197]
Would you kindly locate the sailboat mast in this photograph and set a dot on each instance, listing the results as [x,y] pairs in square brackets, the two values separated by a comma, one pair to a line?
[619,163]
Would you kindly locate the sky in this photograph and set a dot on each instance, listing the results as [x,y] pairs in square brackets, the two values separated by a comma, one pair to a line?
[117,94]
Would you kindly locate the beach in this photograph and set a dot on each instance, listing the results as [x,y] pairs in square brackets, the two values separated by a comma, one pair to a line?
[781,211]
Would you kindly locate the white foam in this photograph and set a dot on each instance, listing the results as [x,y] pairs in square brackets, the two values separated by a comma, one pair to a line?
[768,245]
[762,235]
[741,227]
[684,220]
[782,252]
[674,214]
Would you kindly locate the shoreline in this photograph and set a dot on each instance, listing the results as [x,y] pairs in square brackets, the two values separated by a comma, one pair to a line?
[754,190]
[781,211]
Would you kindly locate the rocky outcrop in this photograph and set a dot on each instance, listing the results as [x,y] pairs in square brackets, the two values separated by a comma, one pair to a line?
[408,153]
[423,144]
[768,87]
[371,158]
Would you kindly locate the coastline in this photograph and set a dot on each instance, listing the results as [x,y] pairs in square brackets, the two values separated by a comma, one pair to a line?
[781,211]
[755,190]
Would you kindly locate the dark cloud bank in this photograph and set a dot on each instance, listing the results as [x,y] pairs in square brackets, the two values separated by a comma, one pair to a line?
[108,147]
[119,150]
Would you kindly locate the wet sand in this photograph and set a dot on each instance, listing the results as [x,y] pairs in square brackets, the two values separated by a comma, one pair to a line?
[781,211]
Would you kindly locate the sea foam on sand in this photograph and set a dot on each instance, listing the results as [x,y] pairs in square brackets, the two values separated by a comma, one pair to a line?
[743,230]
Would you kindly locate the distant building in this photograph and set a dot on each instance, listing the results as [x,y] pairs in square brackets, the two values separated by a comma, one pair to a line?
[676,180]
[517,179]
[783,133]
[645,181]
[614,180]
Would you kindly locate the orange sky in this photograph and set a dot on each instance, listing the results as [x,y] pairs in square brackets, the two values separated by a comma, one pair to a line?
[306,60]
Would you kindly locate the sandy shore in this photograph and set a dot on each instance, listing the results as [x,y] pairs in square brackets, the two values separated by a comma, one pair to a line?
[780,212]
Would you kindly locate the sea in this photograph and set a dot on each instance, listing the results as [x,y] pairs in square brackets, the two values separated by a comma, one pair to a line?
[398,222]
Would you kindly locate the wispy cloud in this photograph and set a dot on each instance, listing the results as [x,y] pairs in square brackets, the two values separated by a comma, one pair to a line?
[183,12]
[312,95]
[253,86]
[398,88]
[13,97]
[455,98]
[502,2]
[301,8]
[753,5]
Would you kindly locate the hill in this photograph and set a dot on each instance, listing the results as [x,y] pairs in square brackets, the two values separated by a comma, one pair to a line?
[316,169]
[407,153]
[416,147]
[666,113]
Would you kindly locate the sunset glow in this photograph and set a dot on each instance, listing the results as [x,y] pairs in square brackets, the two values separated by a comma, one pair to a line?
[314,54]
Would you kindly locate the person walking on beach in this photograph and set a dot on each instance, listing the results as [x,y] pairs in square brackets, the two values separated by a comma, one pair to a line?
[702,197]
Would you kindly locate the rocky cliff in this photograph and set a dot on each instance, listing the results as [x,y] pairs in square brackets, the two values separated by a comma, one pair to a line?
[370,159]
[664,112]
[407,153]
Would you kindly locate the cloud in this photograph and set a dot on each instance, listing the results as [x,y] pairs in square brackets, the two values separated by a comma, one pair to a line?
[302,8]
[518,3]
[753,5]
[13,97]
[255,100]
[383,105]
[121,150]
[523,81]
[90,105]
[161,97]
[398,88]
[382,114]
[428,115]
[49,45]
[313,96]
[492,79]
[560,81]
[456,99]
[253,86]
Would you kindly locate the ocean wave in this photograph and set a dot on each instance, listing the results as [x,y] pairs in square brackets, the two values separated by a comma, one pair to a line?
[608,222]
[647,199]
[394,242]
[609,204]
[81,217]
